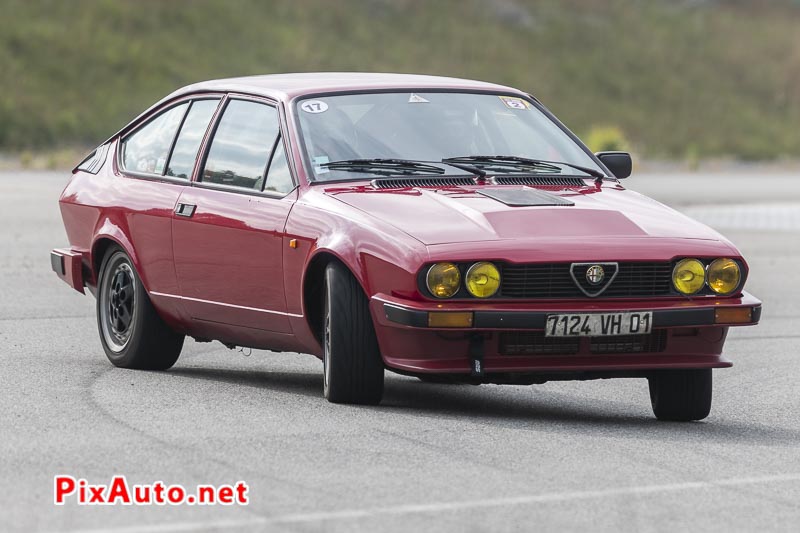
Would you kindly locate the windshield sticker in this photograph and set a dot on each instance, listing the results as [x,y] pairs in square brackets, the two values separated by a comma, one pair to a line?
[314,106]
[514,102]
[416,99]
[320,160]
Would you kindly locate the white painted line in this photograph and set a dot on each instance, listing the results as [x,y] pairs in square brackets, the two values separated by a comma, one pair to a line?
[450,506]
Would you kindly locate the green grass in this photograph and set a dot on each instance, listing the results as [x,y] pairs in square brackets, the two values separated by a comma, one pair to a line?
[677,78]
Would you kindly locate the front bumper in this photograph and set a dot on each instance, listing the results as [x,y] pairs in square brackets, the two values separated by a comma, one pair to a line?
[690,334]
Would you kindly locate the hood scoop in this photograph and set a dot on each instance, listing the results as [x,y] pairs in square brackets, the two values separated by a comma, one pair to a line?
[525,197]
[406,183]
[550,181]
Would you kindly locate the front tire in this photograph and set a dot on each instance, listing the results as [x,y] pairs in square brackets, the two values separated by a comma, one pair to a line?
[132,333]
[681,395]
[352,361]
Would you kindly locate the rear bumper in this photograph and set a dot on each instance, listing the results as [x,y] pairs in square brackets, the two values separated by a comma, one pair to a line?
[68,265]
[686,334]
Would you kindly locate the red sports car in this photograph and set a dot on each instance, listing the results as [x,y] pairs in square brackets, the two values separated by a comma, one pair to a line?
[448,229]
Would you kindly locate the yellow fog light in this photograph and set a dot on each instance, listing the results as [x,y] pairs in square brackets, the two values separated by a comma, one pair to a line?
[443,280]
[689,276]
[723,276]
[450,319]
[483,280]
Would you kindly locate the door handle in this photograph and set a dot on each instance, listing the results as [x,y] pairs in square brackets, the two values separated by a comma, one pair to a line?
[185,210]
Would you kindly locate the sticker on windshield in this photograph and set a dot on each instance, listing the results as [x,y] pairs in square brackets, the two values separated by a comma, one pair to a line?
[513,102]
[319,161]
[416,99]
[314,106]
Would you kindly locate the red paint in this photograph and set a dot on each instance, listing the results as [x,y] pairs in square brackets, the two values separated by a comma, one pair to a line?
[231,251]
[229,273]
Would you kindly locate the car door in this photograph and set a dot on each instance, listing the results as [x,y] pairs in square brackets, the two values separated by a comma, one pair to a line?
[228,228]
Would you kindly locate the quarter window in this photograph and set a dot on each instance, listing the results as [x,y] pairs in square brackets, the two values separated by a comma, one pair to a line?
[278,177]
[242,144]
[184,154]
[146,150]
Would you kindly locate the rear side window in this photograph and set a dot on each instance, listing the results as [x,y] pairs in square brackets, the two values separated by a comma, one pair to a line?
[242,144]
[184,154]
[146,150]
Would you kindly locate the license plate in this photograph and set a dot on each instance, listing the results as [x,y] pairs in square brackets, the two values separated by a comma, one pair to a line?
[599,324]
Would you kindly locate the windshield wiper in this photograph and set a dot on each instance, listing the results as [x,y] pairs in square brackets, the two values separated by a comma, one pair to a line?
[384,167]
[522,163]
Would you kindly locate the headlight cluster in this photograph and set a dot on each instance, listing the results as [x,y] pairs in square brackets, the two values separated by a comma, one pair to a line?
[722,276]
[481,280]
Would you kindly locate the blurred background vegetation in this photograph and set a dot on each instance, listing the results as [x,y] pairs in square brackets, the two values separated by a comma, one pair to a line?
[669,79]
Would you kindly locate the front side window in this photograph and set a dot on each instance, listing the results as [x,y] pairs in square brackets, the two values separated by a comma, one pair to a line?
[242,144]
[429,127]
[146,150]
[184,154]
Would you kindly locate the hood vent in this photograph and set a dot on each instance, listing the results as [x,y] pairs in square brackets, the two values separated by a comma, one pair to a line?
[538,180]
[405,183]
[524,197]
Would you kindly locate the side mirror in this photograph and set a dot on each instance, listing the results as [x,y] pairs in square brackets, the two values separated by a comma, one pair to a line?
[619,163]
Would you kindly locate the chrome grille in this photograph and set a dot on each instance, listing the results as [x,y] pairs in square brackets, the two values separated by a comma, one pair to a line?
[553,280]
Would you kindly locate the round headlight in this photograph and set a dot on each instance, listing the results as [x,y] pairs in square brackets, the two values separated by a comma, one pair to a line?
[483,280]
[723,275]
[689,276]
[443,280]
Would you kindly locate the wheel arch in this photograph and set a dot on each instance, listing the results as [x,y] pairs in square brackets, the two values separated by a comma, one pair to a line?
[108,235]
[314,282]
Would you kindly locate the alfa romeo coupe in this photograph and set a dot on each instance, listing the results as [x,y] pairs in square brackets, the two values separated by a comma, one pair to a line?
[447,229]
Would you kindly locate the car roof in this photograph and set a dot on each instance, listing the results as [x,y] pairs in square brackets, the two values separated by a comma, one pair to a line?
[285,87]
[288,86]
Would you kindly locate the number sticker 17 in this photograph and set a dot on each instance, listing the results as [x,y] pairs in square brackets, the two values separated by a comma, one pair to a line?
[314,106]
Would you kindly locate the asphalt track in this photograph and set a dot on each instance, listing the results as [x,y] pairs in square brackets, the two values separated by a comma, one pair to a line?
[559,456]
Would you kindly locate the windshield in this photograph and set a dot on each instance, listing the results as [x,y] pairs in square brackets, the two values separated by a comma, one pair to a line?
[428,127]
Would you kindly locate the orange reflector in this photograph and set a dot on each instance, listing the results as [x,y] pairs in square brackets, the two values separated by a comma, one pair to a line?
[450,320]
[733,315]
[292,243]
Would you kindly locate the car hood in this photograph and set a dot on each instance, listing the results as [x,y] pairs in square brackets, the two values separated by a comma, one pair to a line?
[462,215]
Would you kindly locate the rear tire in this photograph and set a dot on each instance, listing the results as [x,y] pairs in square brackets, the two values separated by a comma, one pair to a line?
[352,360]
[681,395]
[132,333]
